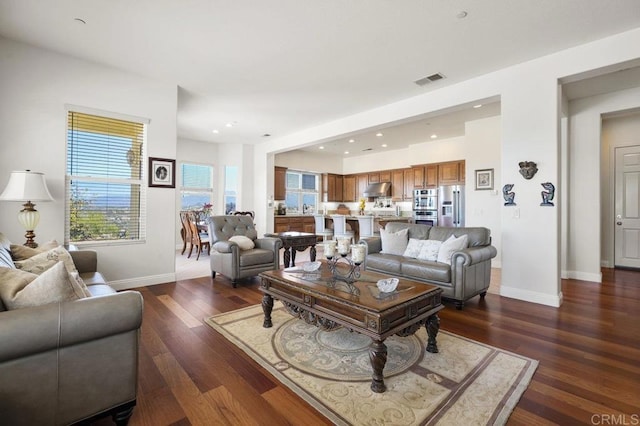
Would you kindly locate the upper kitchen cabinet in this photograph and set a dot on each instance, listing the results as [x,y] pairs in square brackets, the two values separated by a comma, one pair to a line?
[332,187]
[431,176]
[374,177]
[418,177]
[280,179]
[349,188]
[399,190]
[385,176]
[451,173]
[362,181]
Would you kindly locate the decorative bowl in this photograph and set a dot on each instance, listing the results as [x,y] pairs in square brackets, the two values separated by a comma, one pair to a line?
[311,266]
[387,285]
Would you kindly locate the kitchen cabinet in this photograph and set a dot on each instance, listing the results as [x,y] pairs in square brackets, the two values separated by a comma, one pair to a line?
[280,179]
[431,176]
[374,177]
[408,184]
[398,187]
[362,181]
[349,188]
[449,173]
[294,223]
[385,176]
[418,177]
[332,187]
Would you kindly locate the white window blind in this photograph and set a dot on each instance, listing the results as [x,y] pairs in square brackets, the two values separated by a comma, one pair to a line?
[197,186]
[104,179]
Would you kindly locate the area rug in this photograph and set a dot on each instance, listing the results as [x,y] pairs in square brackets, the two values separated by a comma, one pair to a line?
[467,382]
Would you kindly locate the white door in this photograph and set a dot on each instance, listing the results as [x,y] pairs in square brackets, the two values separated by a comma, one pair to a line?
[627,207]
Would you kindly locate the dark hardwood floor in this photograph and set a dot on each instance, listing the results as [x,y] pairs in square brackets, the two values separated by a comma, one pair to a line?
[588,351]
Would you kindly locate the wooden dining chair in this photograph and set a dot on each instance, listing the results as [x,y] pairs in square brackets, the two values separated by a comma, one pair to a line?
[199,238]
[185,232]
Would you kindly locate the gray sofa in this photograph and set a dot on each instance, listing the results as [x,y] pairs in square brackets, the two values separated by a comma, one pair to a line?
[229,259]
[71,361]
[468,275]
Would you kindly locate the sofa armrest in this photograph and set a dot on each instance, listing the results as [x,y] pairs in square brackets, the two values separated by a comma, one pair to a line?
[85,260]
[373,244]
[225,246]
[35,330]
[473,255]
[268,243]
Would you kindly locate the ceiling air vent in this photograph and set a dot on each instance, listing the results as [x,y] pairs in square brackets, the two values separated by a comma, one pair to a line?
[367,149]
[429,79]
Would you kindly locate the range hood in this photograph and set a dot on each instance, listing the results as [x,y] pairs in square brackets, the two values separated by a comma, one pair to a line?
[380,189]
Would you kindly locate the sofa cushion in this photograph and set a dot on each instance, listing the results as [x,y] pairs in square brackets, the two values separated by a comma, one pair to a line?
[23,252]
[245,243]
[394,242]
[426,271]
[451,245]
[477,236]
[255,257]
[429,250]
[389,263]
[21,289]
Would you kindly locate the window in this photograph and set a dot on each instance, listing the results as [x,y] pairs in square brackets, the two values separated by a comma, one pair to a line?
[230,188]
[301,192]
[197,186]
[104,180]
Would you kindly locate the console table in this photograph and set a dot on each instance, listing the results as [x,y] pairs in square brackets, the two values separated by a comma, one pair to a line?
[296,241]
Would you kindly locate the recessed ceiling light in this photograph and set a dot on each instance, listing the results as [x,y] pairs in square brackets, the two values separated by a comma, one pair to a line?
[346,152]
[216,131]
[321,147]
[478,106]
[229,125]
[80,20]
[352,140]
[434,136]
[379,134]
[384,145]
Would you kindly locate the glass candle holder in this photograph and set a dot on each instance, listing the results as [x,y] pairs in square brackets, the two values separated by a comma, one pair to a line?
[357,253]
[343,246]
[330,249]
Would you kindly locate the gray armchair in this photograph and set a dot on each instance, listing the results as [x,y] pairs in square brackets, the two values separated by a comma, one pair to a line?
[227,257]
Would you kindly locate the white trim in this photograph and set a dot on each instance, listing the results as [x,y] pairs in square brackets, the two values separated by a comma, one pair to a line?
[108,114]
[143,281]
[531,296]
[583,276]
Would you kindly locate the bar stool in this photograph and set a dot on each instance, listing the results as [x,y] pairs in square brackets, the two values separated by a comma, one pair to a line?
[321,229]
[340,227]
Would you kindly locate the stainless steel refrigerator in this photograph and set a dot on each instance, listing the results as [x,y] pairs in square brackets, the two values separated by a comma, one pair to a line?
[451,205]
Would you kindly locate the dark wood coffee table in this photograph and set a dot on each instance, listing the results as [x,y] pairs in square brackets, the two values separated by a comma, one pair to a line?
[293,241]
[307,296]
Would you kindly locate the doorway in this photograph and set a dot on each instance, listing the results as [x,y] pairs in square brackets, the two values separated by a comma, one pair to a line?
[627,207]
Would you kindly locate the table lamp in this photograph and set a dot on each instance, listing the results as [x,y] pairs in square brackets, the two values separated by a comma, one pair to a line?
[27,186]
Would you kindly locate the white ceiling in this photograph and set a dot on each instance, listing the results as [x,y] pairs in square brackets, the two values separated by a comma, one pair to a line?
[281,66]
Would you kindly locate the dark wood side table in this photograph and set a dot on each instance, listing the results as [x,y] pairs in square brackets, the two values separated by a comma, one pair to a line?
[296,241]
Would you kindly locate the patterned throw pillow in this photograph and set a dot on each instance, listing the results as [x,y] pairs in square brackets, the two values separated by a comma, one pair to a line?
[394,242]
[413,248]
[430,250]
[5,254]
[451,245]
[22,289]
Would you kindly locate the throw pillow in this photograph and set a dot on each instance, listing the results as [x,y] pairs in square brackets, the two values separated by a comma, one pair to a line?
[245,243]
[24,252]
[430,250]
[22,289]
[413,248]
[394,242]
[451,245]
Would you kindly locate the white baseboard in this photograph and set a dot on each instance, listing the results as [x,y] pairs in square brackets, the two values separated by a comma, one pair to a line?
[142,281]
[582,276]
[531,296]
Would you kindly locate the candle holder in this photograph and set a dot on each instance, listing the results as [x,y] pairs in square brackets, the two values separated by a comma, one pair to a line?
[351,273]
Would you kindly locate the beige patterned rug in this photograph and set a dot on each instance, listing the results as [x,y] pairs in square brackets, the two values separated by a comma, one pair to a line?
[466,383]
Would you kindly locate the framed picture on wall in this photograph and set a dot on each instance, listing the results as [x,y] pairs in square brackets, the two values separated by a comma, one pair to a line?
[484,179]
[162,172]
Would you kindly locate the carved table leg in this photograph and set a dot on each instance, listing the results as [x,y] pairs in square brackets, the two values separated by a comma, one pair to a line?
[432,326]
[378,358]
[287,256]
[293,256]
[312,253]
[267,306]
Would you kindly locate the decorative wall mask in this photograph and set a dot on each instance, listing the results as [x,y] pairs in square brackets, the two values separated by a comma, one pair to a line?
[508,195]
[528,169]
[547,194]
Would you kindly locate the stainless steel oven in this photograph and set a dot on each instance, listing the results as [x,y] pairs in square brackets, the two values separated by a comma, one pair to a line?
[425,217]
[425,199]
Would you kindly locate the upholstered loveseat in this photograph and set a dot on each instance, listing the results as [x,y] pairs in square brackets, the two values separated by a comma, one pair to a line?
[71,360]
[467,275]
[237,252]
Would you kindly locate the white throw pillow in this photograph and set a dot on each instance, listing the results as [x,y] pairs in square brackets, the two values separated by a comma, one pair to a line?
[413,248]
[245,243]
[450,246]
[430,250]
[394,242]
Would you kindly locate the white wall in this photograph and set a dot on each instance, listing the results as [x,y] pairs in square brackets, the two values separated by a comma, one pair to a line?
[310,162]
[36,85]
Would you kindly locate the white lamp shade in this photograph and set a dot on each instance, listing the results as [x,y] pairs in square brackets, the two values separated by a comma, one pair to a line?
[26,186]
